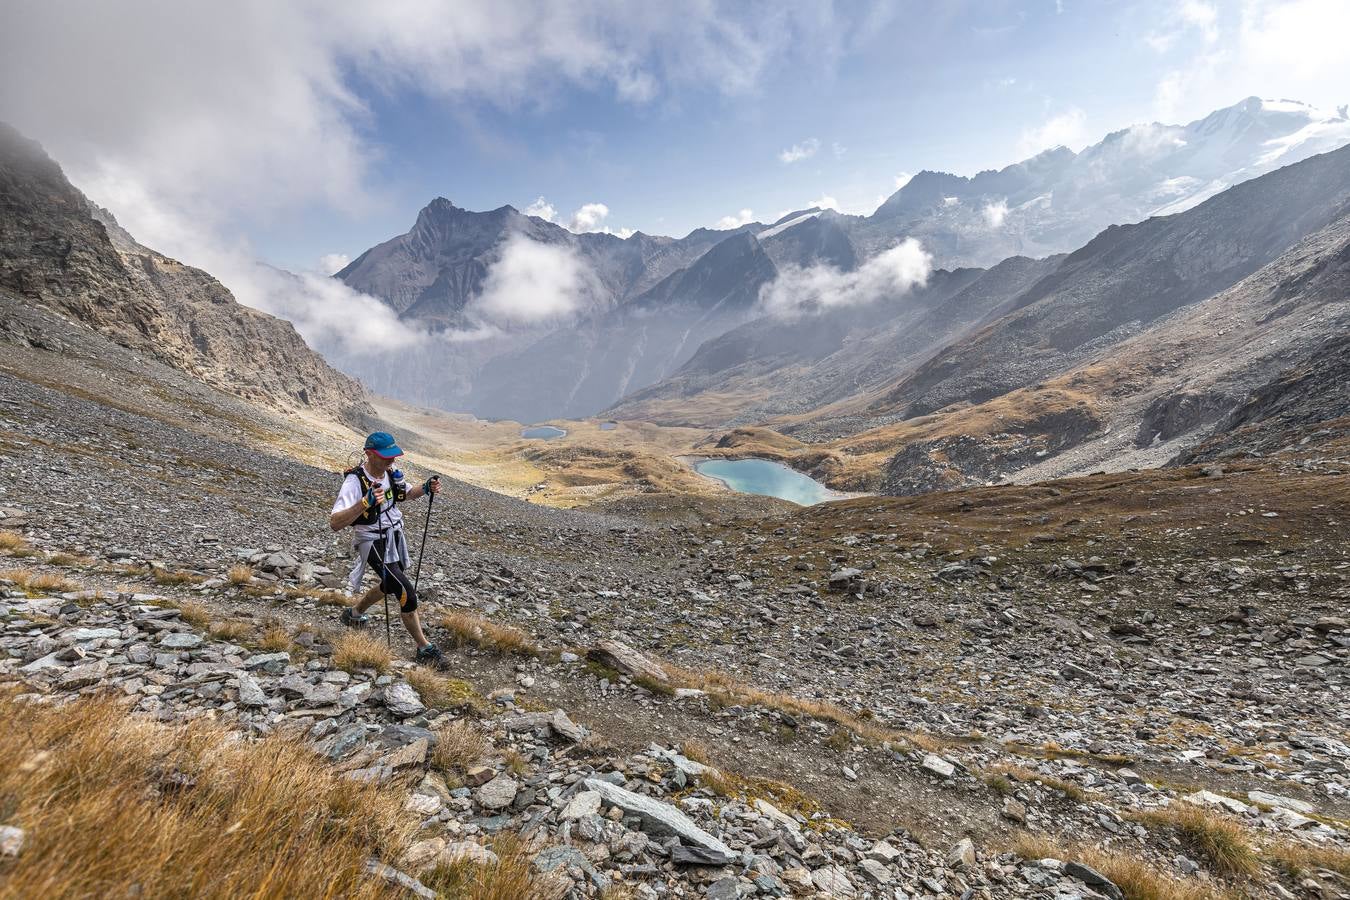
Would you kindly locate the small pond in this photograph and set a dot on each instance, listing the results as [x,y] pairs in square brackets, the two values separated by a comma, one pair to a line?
[542,432]
[608,426]
[767,478]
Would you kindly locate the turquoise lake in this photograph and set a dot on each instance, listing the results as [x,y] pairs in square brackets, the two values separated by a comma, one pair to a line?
[542,432]
[769,479]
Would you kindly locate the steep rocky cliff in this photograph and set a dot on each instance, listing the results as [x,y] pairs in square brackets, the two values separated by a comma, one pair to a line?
[59,250]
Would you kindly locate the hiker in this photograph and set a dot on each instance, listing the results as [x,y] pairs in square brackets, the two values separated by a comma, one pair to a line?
[369,500]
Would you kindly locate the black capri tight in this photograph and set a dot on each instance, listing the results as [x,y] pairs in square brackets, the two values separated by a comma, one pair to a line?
[393,580]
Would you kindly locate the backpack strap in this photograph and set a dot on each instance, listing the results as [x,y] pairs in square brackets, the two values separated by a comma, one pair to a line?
[372,515]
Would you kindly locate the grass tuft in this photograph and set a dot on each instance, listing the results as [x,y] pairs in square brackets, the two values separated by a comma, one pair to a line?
[1301,860]
[276,639]
[459,745]
[355,650]
[198,615]
[111,800]
[232,630]
[51,583]
[11,541]
[510,878]
[169,579]
[479,632]
[1221,843]
[1136,879]
[240,574]
[441,692]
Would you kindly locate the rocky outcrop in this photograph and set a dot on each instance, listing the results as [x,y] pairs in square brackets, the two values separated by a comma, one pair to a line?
[59,250]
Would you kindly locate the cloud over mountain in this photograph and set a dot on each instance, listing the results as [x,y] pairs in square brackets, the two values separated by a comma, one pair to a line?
[797,291]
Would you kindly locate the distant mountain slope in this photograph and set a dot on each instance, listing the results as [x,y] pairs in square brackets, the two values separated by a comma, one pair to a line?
[56,251]
[578,370]
[771,367]
[1126,278]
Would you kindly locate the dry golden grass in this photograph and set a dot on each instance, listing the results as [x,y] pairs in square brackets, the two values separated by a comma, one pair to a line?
[276,639]
[20,577]
[356,650]
[11,541]
[696,751]
[198,615]
[459,745]
[51,583]
[232,630]
[510,878]
[240,574]
[169,579]
[1300,860]
[442,692]
[469,629]
[110,800]
[1075,792]
[728,690]
[1219,842]
[1136,878]
[68,560]
[515,761]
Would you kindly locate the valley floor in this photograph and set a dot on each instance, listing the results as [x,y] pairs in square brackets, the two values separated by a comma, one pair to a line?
[1126,685]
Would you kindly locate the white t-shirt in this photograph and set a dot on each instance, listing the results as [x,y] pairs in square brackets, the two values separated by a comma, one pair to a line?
[390,514]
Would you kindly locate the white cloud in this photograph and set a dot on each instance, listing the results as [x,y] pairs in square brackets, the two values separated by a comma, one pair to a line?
[744,217]
[995,213]
[797,152]
[332,263]
[1201,16]
[590,217]
[890,274]
[825,201]
[838,149]
[532,283]
[1186,16]
[542,209]
[1270,48]
[902,179]
[243,113]
[1068,129]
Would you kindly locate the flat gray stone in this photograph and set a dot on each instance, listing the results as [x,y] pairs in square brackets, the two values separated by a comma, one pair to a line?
[250,694]
[181,640]
[659,818]
[585,803]
[938,766]
[625,659]
[401,699]
[497,793]
[83,676]
[85,635]
[271,663]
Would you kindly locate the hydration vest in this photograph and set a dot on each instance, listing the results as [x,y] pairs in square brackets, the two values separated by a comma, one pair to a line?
[391,497]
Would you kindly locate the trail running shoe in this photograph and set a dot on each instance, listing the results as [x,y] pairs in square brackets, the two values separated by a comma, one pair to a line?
[353,619]
[431,655]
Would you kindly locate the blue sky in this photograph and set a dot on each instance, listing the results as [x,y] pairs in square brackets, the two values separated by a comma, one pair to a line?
[294,132]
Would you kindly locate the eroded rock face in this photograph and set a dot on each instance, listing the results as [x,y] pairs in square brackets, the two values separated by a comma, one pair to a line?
[58,249]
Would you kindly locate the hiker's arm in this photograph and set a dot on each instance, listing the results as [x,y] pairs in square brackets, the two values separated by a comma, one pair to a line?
[344,517]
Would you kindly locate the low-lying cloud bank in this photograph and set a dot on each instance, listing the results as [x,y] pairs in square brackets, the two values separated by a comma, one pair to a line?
[532,283]
[797,291]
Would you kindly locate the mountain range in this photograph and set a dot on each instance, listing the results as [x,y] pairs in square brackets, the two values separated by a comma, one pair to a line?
[672,331]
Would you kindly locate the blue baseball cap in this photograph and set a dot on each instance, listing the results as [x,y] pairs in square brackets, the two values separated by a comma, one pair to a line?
[382,442]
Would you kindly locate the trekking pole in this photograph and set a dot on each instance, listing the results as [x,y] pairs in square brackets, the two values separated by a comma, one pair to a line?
[388,635]
[426,526]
